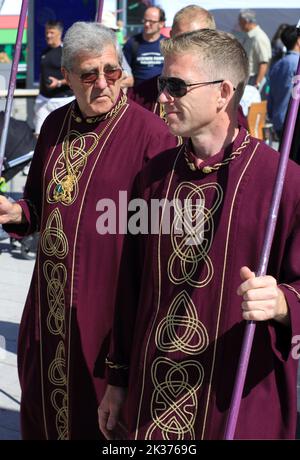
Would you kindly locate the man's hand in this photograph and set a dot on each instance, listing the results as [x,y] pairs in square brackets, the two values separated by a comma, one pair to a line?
[54,83]
[109,413]
[262,299]
[10,213]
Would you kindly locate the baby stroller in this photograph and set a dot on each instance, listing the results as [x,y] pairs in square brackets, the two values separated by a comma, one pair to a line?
[18,153]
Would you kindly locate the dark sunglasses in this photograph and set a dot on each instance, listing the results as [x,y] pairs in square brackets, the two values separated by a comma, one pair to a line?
[177,87]
[111,75]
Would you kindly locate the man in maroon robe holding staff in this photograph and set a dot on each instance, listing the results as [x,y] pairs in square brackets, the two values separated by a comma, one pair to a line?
[183,295]
[88,150]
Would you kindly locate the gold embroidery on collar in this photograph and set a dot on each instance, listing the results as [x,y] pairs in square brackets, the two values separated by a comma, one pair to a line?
[104,116]
[216,166]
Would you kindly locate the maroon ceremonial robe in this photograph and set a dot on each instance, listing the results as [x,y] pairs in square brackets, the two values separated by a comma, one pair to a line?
[66,323]
[178,324]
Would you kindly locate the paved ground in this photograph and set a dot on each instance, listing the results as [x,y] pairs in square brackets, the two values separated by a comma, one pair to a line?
[15,275]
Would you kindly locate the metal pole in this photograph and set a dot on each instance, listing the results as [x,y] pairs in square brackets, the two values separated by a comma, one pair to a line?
[99,10]
[12,80]
[123,7]
[264,258]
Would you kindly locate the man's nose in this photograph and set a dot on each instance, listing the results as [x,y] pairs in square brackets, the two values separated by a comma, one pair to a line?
[164,97]
[101,81]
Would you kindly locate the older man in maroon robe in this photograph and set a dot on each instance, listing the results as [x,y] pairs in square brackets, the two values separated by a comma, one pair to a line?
[184,294]
[88,150]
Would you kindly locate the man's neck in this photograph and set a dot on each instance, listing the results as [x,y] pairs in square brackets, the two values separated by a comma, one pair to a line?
[151,38]
[55,45]
[209,143]
[296,47]
[251,26]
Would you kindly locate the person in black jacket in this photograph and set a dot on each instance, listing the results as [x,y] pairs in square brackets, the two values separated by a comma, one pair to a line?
[54,91]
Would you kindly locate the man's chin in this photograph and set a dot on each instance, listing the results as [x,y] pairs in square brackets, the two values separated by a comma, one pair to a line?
[102,105]
[175,129]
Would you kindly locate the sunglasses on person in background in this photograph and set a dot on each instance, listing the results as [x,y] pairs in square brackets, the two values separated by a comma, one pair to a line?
[177,87]
[110,75]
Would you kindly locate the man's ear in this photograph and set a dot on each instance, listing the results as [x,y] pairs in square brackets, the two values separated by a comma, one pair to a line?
[226,93]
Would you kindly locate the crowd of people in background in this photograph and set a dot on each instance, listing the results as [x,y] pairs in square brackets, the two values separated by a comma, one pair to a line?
[142,62]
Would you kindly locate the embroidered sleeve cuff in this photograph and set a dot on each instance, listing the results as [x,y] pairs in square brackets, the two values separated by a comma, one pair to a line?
[117,374]
[281,336]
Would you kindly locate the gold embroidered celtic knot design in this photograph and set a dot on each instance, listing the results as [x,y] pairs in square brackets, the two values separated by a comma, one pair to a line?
[174,400]
[56,277]
[70,165]
[191,246]
[59,396]
[180,329]
[53,239]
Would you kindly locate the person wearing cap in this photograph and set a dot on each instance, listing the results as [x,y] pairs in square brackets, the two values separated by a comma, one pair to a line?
[109,20]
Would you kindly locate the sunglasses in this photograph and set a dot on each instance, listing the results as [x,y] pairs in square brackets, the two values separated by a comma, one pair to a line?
[111,75]
[177,87]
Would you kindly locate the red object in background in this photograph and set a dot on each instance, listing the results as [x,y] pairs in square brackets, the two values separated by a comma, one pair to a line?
[10,22]
[166,31]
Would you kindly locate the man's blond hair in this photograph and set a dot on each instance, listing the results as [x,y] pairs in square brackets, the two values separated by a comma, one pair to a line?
[192,12]
[220,56]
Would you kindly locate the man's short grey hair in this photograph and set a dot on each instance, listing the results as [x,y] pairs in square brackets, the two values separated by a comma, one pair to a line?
[191,12]
[248,16]
[220,56]
[87,37]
